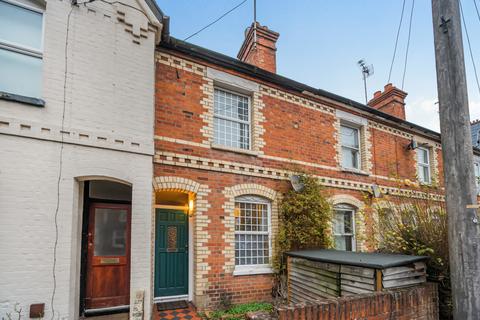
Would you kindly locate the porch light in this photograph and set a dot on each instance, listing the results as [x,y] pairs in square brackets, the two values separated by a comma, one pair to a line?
[190,207]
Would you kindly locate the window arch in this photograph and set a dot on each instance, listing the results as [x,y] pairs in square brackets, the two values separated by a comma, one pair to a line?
[344,227]
[252,231]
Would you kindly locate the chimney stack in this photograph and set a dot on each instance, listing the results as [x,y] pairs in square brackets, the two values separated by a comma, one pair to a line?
[390,101]
[260,52]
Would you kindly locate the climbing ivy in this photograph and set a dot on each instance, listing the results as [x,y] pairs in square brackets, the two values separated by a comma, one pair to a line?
[305,220]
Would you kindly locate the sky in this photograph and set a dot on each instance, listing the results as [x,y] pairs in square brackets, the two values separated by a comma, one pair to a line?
[321,42]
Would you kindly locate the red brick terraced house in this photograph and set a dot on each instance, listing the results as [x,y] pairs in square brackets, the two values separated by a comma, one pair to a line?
[229,133]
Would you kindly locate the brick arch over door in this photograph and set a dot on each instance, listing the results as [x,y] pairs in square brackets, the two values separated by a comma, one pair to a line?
[360,229]
[176,184]
[200,229]
[239,190]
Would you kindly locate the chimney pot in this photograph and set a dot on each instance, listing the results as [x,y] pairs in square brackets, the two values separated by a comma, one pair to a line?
[262,52]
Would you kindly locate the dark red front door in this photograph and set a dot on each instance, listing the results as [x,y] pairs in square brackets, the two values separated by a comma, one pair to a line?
[108,258]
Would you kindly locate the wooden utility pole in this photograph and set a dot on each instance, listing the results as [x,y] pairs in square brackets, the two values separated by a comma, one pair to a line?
[463,224]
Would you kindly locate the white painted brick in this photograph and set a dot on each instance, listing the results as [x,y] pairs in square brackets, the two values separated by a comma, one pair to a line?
[110,93]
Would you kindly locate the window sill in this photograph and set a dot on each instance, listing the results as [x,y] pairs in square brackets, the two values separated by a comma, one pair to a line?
[236,150]
[354,171]
[252,270]
[22,99]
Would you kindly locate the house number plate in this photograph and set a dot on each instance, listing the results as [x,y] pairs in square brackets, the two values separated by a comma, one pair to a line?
[109,260]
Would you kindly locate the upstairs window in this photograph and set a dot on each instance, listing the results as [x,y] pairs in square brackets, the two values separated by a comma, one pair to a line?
[350,140]
[344,227]
[252,231]
[21,30]
[423,165]
[231,119]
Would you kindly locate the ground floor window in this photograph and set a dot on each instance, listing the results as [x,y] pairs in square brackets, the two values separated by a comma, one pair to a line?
[252,231]
[344,227]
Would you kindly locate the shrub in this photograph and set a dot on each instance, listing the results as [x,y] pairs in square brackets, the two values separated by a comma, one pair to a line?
[418,228]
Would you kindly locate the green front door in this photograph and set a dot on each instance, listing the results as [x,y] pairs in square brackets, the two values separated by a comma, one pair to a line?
[171,253]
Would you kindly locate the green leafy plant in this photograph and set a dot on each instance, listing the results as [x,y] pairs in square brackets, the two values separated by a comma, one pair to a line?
[418,227]
[305,220]
[238,312]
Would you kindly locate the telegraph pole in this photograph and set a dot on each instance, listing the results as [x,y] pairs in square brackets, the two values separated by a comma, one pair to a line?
[461,200]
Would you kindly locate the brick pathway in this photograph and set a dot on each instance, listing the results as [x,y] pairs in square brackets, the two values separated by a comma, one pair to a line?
[177,314]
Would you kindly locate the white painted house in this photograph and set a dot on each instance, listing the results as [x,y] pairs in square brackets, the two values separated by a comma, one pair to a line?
[76,146]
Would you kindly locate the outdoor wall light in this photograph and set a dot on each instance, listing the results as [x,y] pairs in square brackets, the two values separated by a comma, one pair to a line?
[190,207]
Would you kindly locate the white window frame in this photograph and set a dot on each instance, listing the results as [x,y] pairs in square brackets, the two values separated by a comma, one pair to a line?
[358,150]
[255,268]
[346,207]
[21,49]
[249,122]
[424,165]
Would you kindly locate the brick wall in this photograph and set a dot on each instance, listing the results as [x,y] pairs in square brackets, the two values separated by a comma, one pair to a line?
[420,302]
[294,131]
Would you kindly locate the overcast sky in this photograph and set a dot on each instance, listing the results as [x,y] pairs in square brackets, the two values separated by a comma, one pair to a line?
[322,40]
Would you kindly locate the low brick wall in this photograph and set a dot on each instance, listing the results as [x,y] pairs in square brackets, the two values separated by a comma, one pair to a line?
[419,302]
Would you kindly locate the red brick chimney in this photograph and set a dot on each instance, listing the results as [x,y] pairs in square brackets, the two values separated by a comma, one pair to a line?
[262,51]
[391,101]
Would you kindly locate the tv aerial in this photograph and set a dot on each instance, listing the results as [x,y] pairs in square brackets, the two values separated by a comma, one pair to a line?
[367,71]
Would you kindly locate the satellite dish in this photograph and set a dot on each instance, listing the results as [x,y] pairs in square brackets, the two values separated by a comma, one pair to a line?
[412,145]
[296,182]
[376,191]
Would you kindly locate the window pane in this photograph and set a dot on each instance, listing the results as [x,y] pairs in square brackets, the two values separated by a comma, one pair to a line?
[421,174]
[20,26]
[422,156]
[110,232]
[231,105]
[350,158]
[231,134]
[349,136]
[20,74]
[426,174]
[343,243]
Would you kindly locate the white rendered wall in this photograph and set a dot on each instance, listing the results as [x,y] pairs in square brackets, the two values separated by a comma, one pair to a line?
[108,133]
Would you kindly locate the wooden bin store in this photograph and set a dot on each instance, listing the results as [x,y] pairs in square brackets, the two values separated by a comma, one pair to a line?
[322,274]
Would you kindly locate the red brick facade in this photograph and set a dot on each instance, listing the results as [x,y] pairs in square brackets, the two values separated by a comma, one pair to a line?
[290,131]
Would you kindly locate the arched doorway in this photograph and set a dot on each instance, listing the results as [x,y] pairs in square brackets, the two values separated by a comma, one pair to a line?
[106,234]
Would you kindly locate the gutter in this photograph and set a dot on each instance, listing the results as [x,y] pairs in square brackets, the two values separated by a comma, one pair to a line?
[163,24]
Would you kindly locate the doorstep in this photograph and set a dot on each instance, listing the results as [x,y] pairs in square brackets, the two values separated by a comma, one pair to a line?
[189,313]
